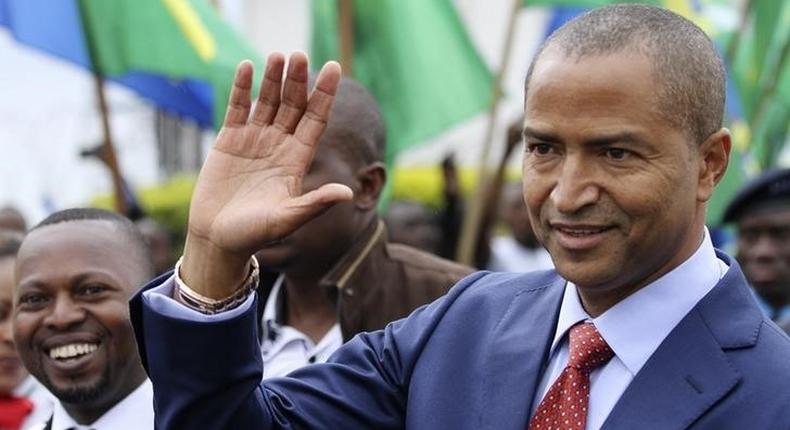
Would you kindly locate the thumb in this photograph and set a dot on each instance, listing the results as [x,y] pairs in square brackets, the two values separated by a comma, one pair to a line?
[313,203]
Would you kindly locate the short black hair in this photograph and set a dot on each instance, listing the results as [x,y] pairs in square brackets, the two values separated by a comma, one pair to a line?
[688,70]
[357,121]
[124,225]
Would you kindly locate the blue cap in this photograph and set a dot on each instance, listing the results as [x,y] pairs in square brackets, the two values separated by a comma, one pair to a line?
[771,186]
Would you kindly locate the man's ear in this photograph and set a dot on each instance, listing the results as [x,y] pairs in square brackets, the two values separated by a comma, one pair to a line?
[371,180]
[714,156]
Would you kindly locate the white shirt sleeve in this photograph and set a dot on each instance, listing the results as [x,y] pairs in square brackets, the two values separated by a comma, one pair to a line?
[160,299]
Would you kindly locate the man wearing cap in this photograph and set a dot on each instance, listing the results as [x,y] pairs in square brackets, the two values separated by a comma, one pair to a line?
[761,211]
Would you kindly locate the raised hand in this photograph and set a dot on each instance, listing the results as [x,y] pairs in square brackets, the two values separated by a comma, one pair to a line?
[249,191]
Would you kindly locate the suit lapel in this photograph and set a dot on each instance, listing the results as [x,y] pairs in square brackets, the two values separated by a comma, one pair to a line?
[686,375]
[516,354]
[690,372]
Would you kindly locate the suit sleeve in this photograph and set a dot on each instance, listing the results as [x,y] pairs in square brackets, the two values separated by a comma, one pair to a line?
[207,374]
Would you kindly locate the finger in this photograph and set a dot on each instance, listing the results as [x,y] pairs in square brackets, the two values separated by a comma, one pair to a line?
[239,102]
[319,106]
[269,94]
[294,97]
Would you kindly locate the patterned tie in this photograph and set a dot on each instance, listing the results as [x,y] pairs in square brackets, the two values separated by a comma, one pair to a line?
[565,405]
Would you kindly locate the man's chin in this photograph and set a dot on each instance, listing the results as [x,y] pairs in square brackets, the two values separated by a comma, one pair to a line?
[85,388]
[79,393]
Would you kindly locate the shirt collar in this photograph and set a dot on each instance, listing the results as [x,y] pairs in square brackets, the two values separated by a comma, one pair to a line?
[660,306]
[135,411]
[374,236]
[272,312]
[279,334]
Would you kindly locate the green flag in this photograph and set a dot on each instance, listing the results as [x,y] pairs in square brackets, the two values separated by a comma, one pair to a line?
[762,74]
[179,39]
[417,60]
[757,58]
[760,71]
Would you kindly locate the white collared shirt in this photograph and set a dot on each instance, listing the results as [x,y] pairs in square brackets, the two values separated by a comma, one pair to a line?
[135,411]
[661,305]
[284,348]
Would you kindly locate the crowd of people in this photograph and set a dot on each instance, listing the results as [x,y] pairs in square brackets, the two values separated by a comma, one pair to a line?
[296,304]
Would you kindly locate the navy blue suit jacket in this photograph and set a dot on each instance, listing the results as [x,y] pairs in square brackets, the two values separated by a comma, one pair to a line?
[470,360]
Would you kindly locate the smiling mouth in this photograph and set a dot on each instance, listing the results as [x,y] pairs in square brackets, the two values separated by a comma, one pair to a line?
[580,238]
[72,351]
[582,231]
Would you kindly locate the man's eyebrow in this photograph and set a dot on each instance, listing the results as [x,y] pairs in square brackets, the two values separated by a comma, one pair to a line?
[29,284]
[540,135]
[608,139]
[602,140]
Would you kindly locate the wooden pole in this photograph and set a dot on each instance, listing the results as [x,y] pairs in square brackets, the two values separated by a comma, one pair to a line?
[109,155]
[109,150]
[473,213]
[345,29]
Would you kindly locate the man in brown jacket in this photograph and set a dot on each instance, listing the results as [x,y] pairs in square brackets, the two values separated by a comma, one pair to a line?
[338,275]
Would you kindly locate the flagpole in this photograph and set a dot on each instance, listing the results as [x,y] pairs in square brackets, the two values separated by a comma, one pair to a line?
[473,214]
[108,148]
[345,29]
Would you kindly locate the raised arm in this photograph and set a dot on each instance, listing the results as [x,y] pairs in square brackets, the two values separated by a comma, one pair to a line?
[249,191]
[207,369]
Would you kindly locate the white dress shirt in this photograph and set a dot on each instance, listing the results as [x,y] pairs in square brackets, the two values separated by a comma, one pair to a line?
[633,328]
[284,348]
[135,411]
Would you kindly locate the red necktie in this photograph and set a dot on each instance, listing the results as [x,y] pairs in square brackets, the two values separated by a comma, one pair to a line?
[13,411]
[564,407]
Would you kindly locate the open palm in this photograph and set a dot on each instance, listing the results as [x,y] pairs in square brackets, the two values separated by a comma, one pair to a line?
[249,191]
[250,188]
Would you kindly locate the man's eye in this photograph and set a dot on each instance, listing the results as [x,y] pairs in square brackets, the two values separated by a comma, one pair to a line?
[617,153]
[780,233]
[32,299]
[540,148]
[92,289]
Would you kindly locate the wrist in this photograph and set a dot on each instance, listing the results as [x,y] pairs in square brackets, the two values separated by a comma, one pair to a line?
[211,271]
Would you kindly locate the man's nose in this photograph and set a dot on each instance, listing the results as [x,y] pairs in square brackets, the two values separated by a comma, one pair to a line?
[6,334]
[65,313]
[765,248]
[576,187]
